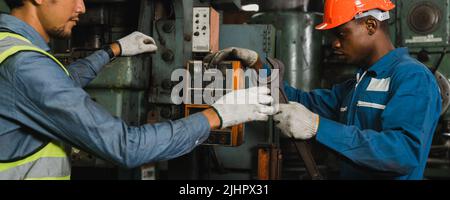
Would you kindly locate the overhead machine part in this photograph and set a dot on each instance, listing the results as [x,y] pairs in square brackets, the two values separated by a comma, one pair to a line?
[299,45]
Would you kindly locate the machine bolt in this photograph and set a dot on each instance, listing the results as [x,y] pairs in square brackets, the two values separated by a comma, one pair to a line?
[168,55]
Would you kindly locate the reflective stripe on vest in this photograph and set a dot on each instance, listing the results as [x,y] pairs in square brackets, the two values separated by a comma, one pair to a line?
[49,163]
[11,44]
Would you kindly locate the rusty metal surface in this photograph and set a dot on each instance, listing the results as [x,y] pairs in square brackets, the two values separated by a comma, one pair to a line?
[269,162]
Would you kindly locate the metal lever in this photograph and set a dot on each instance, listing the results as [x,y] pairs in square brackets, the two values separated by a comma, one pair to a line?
[302,147]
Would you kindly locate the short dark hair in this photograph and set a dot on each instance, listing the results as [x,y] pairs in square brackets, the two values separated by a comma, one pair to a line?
[14,3]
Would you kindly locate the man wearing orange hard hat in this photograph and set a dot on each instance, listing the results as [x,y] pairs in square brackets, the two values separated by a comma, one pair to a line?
[381,123]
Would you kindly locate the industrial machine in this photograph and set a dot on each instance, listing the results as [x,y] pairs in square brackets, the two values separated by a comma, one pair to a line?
[423,27]
[3,7]
[138,89]
[232,136]
[205,39]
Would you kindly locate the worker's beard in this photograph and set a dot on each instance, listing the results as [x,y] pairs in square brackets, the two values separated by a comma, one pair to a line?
[60,33]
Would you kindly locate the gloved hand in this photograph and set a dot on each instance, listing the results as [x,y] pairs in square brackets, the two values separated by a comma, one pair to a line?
[137,43]
[295,120]
[242,106]
[248,57]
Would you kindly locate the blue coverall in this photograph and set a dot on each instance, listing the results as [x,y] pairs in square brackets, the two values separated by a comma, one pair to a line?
[382,125]
[39,103]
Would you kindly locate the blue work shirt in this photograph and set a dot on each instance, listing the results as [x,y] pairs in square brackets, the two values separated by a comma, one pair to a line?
[39,103]
[381,124]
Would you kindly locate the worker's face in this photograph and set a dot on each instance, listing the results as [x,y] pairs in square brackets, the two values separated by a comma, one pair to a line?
[58,17]
[351,42]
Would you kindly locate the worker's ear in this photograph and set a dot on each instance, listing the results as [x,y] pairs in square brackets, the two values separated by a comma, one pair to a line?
[37,2]
[372,25]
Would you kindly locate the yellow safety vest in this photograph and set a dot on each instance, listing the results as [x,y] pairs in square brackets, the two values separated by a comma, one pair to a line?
[50,162]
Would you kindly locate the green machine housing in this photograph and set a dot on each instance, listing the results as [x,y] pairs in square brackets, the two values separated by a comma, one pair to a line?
[424,27]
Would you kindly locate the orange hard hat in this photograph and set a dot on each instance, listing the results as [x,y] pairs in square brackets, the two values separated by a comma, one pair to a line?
[338,12]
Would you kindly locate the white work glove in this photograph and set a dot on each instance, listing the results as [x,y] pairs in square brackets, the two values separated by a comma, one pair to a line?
[137,43]
[295,120]
[242,106]
[247,56]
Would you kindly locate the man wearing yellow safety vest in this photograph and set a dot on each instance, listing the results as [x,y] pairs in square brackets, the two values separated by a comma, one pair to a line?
[42,103]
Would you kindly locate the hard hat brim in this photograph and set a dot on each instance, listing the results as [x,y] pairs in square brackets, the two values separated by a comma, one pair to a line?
[324,26]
